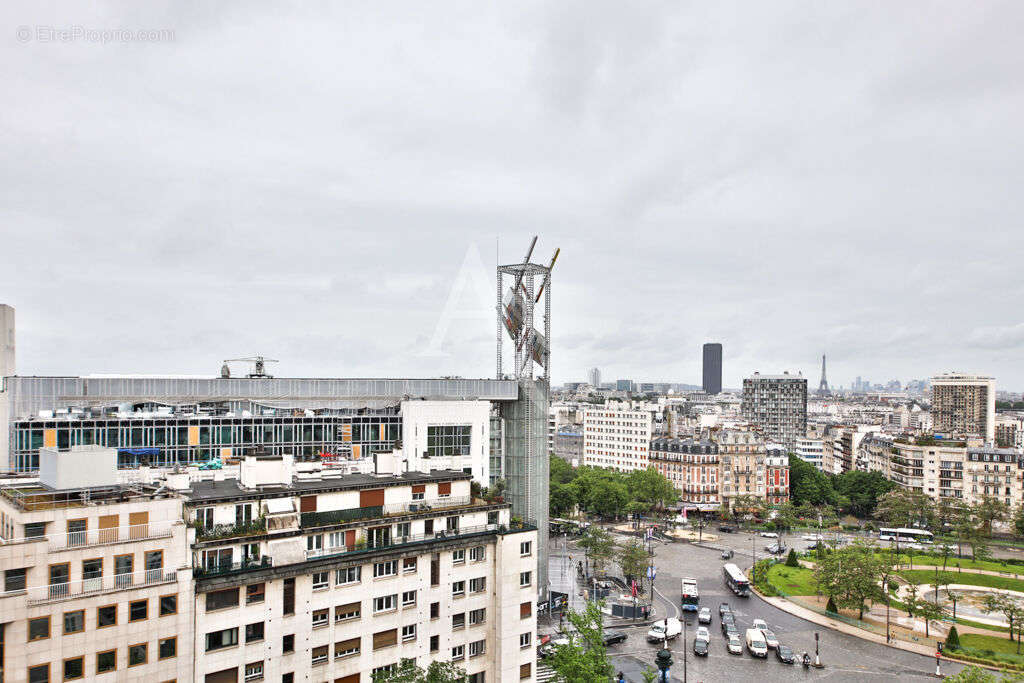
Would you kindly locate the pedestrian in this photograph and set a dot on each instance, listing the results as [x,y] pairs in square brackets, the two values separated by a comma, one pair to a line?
[621,678]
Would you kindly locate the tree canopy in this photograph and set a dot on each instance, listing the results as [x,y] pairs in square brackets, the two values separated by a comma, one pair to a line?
[608,492]
[584,659]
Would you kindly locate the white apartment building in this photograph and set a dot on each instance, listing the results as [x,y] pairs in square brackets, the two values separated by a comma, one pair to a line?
[617,439]
[964,405]
[274,575]
[452,435]
[810,451]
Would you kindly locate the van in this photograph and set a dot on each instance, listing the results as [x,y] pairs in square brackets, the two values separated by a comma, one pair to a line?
[756,643]
[666,628]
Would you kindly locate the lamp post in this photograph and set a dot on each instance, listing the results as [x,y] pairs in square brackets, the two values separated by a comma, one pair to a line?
[663,660]
[817,657]
[753,550]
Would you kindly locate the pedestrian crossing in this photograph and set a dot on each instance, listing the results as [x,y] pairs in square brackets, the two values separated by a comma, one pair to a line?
[544,673]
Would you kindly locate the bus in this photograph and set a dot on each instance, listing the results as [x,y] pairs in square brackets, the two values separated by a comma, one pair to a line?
[736,580]
[689,595]
[905,535]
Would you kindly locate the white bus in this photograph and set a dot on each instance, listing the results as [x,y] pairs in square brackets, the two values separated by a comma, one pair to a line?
[736,580]
[905,535]
[689,595]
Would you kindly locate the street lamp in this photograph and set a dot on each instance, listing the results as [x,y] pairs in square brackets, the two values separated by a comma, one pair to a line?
[817,657]
[663,660]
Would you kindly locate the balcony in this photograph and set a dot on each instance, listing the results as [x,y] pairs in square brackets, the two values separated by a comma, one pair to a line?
[75,540]
[95,586]
[400,541]
[329,517]
[221,568]
[218,531]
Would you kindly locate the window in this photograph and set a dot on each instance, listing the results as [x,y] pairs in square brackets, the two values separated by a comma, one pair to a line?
[315,542]
[478,553]
[288,643]
[74,668]
[38,629]
[288,596]
[167,648]
[417,495]
[222,599]
[403,530]
[243,514]
[39,674]
[524,639]
[35,529]
[138,610]
[458,588]
[435,643]
[320,581]
[74,622]
[347,575]
[408,598]
[478,677]
[435,610]
[106,616]
[408,565]
[524,670]
[458,556]
[321,617]
[458,653]
[14,580]
[525,548]
[381,670]
[408,632]
[346,648]
[106,661]
[138,654]
[346,612]
[254,632]
[320,654]
[385,569]
[452,525]
[477,648]
[525,610]
[255,592]
[385,603]
[525,578]
[204,518]
[458,620]
[477,616]
[288,677]
[449,440]
[383,639]
[221,639]
[254,671]
[168,605]
[478,585]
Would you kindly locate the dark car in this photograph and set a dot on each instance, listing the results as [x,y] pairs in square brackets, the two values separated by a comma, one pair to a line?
[612,637]
[726,529]
[727,620]
[724,607]
[785,654]
[700,647]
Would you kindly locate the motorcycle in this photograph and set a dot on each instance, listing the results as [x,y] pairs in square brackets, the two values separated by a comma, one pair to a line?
[806,660]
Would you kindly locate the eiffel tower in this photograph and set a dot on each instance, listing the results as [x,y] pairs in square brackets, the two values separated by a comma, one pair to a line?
[823,389]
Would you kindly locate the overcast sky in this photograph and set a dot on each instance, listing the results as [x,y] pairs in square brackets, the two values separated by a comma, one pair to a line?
[309,181]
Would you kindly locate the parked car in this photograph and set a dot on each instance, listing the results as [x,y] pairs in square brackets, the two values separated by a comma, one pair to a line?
[775,548]
[769,534]
[784,654]
[612,637]
[734,644]
[728,620]
[813,537]
[700,647]
[755,643]
[704,615]
[726,529]
[759,624]
[769,638]
[703,633]
[723,607]
[727,554]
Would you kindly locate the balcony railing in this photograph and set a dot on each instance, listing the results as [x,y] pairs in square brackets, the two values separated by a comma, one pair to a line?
[90,537]
[210,533]
[219,568]
[328,517]
[95,586]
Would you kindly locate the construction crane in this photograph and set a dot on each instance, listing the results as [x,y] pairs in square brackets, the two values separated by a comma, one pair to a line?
[259,372]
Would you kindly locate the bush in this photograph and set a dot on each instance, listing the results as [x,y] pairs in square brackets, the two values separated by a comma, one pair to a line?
[791,560]
[953,639]
[831,606]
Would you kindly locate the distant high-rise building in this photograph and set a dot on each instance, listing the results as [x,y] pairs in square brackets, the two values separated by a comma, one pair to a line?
[595,377]
[6,341]
[623,385]
[964,404]
[712,368]
[777,405]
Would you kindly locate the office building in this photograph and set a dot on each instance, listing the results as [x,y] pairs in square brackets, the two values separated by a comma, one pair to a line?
[616,439]
[623,385]
[810,451]
[594,377]
[777,406]
[275,575]
[712,368]
[964,405]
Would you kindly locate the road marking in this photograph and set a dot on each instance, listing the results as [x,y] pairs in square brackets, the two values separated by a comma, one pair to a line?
[675,607]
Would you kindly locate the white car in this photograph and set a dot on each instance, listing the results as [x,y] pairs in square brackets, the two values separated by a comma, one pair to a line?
[760,625]
[735,645]
[814,537]
[769,534]
[704,616]
[703,633]
[769,638]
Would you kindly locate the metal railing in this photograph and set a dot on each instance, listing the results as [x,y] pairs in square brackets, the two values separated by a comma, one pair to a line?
[328,517]
[94,585]
[217,531]
[397,541]
[89,537]
[218,568]
[432,504]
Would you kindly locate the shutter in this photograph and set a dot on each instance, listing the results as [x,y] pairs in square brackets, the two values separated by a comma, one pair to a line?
[419,488]
[351,678]
[138,524]
[525,610]
[307,504]
[371,498]
[385,639]
[444,488]
[108,528]
[350,538]
[225,676]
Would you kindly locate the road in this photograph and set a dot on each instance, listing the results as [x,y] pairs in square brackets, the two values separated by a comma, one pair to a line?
[846,657]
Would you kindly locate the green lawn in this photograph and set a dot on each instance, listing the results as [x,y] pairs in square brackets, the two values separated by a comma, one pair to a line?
[966,563]
[927,576]
[994,643]
[792,580]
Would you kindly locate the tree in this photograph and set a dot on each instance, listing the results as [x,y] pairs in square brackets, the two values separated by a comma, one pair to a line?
[929,611]
[988,510]
[862,490]
[560,471]
[784,518]
[808,485]
[830,606]
[952,638]
[584,658]
[749,505]
[1002,604]
[561,499]
[1018,522]
[652,487]
[791,560]
[975,674]
[851,575]
[633,560]
[901,508]
[408,672]
[598,545]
